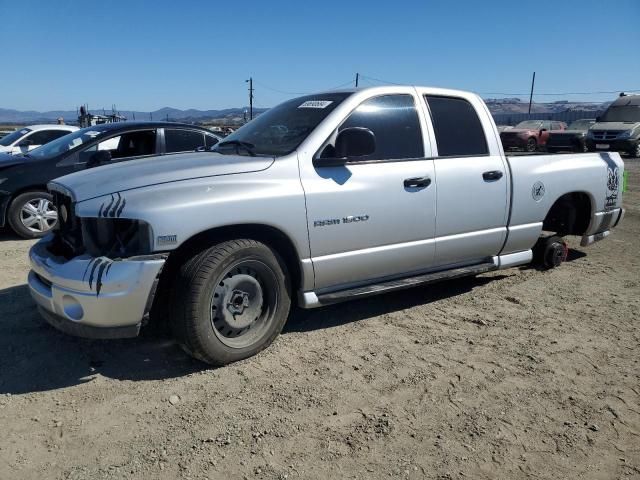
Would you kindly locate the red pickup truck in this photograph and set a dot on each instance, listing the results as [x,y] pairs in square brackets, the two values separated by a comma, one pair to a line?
[529,135]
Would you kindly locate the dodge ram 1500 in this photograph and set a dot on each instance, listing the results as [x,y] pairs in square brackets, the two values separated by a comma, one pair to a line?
[321,199]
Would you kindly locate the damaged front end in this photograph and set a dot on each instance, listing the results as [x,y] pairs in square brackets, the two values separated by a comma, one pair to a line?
[95,276]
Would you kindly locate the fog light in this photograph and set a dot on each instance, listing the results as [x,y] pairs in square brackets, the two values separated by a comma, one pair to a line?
[72,308]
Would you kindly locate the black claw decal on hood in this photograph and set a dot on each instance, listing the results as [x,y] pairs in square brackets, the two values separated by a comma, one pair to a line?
[114,208]
[98,269]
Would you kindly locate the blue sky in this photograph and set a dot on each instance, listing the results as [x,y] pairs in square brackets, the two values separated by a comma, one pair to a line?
[197,54]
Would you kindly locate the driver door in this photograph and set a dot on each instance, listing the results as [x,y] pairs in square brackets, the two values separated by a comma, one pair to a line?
[366,220]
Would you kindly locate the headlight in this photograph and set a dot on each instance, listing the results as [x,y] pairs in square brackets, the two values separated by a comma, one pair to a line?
[625,134]
[116,237]
[2,180]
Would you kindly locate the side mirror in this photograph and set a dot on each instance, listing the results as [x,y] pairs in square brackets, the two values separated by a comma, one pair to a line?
[543,130]
[99,158]
[355,142]
[598,119]
[352,142]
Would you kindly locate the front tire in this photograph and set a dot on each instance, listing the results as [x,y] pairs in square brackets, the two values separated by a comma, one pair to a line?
[532,145]
[32,214]
[635,152]
[230,301]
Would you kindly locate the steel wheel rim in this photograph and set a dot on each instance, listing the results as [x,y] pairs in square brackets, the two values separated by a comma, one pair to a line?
[241,307]
[38,215]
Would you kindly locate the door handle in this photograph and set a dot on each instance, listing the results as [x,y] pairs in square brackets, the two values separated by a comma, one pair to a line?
[417,182]
[492,175]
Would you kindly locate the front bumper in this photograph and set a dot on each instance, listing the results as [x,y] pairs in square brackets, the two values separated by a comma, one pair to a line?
[513,142]
[4,206]
[93,297]
[611,145]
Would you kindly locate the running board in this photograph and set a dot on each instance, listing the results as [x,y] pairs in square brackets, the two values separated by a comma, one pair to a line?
[401,284]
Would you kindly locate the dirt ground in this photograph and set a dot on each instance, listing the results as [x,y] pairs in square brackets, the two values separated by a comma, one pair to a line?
[515,374]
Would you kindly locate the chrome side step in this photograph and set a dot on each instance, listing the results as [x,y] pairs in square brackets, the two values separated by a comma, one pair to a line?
[401,284]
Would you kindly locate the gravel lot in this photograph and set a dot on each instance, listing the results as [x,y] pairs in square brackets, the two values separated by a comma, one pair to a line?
[514,374]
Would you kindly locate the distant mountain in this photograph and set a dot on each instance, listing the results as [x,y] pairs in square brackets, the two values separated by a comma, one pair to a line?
[516,105]
[70,116]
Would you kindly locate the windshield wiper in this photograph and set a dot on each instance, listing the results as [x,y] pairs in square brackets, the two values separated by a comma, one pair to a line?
[239,143]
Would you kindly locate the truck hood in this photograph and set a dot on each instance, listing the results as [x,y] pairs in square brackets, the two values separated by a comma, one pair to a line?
[576,133]
[119,177]
[615,126]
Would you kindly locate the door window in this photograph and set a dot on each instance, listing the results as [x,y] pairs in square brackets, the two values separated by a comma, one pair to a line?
[45,136]
[394,121]
[183,140]
[457,127]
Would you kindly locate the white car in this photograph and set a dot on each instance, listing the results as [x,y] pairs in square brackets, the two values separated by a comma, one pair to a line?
[26,139]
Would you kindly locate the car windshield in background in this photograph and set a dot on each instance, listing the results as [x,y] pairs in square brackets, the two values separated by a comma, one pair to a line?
[581,125]
[13,136]
[280,130]
[623,113]
[66,143]
[529,125]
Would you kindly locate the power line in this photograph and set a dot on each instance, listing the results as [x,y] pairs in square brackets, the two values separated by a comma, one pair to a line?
[609,92]
[284,92]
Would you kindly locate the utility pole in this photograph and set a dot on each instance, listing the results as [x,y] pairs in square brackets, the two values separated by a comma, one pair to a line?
[533,82]
[250,82]
[357,78]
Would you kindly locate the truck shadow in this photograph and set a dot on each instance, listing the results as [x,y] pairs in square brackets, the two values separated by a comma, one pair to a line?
[35,357]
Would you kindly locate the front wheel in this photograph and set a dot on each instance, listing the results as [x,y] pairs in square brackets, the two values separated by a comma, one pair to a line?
[532,145]
[230,301]
[32,214]
[635,151]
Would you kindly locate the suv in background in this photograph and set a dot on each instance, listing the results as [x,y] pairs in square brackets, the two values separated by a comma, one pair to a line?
[618,128]
[572,139]
[29,138]
[529,135]
[25,203]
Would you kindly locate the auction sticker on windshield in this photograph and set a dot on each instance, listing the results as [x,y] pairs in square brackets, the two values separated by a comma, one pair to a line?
[316,104]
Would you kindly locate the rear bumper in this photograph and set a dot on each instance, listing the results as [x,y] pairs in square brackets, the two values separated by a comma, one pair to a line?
[601,225]
[93,297]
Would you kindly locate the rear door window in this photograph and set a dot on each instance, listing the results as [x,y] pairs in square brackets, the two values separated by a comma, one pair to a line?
[177,140]
[457,127]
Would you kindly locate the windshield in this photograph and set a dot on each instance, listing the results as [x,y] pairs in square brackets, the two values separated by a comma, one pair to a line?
[580,125]
[13,136]
[622,113]
[66,143]
[530,125]
[280,130]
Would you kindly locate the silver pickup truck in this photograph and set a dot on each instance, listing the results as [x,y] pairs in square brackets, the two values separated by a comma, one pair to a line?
[321,199]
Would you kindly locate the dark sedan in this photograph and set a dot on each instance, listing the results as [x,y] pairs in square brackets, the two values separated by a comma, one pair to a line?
[25,204]
[572,139]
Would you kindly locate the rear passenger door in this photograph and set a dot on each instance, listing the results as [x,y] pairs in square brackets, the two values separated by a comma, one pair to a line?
[471,181]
